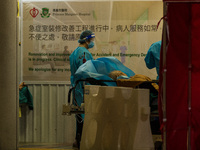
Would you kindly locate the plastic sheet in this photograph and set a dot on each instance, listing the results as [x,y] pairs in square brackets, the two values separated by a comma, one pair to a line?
[100,68]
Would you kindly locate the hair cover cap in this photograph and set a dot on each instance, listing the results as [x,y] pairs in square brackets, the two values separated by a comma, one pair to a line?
[87,34]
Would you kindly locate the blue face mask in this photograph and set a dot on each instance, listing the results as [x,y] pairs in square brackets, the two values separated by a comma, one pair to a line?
[91,44]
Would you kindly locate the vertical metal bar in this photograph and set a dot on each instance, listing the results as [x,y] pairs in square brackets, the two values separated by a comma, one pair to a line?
[49,110]
[65,102]
[17,75]
[57,109]
[189,75]
[51,120]
[34,114]
[44,112]
[164,76]
[41,112]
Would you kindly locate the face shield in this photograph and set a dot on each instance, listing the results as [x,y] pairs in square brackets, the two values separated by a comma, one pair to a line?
[91,44]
